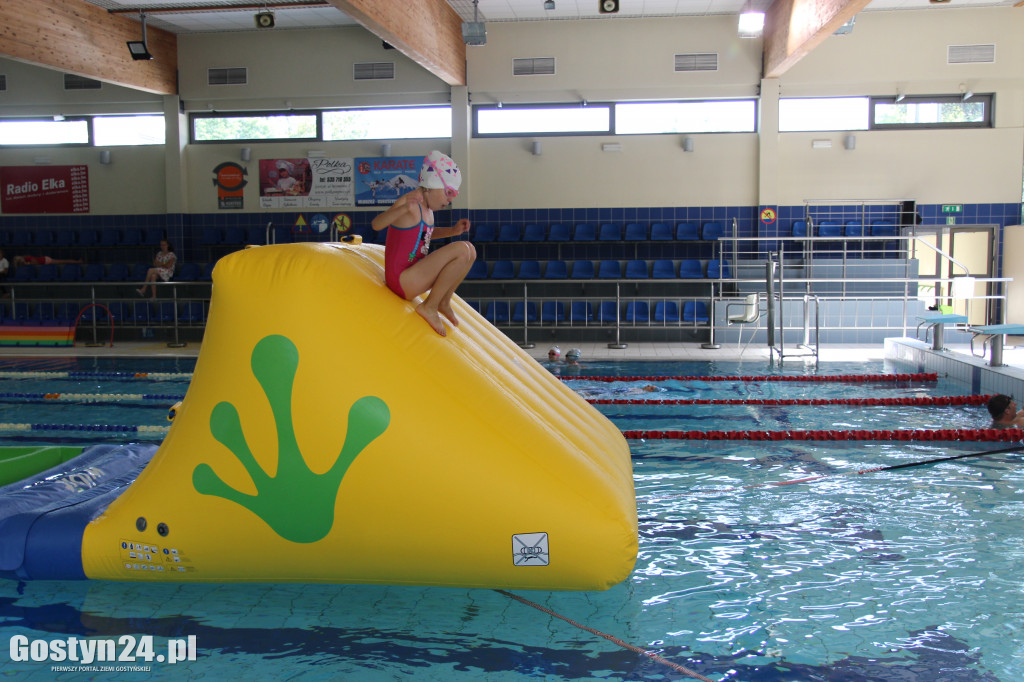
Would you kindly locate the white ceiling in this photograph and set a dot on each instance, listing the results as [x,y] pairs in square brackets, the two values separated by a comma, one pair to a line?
[325,16]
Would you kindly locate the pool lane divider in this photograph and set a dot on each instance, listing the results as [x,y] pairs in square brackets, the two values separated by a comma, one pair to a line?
[973,435]
[611,638]
[833,378]
[91,397]
[151,376]
[110,428]
[926,401]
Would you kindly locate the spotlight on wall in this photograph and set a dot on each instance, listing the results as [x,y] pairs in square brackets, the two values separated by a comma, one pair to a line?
[246,153]
[900,96]
[549,4]
[536,148]
[105,157]
[385,149]
[137,48]
[850,142]
[687,144]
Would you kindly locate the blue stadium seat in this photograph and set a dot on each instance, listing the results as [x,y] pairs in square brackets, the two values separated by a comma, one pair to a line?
[67,312]
[687,232]
[71,272]
[637,311]
[96,313]
[636,269]
[661,232]
[610,232]
[19,313]
[139,271]
[799,228]
[584,232]
[666,311]
[691,269]
[531,311]
[509,233]
[165,312]
[609,269]
[47,273]
[233,236]
[94,272]
[529,269]
[558,233]
[695,311]
[20,238]
[556,269]
[854,228]
[141,312]
[583,269]
[65,238]
[207,275]
[132,236]
[718,269]
[25,273]
[581,311]
[482,233]
[189,272]
[117,272]
[43,238]
[503,269]
[109,237]
[608,311]
[663,269]
[87,238]
[152,236]
[478,270]
[497,312]
[45,313]
[635,232]
[209,236]
[552,311]
[711,231]
[830,228]
[533,233]
[120,311]
[192,312]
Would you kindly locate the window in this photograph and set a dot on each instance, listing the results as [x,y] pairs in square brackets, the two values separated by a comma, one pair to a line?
[947,111]
[387,124]
[111,131]
[536,119]
[267,126]
[44,131]
[824,113]
[724,116]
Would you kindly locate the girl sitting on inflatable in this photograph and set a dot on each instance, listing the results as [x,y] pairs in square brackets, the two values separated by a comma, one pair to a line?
[409,268]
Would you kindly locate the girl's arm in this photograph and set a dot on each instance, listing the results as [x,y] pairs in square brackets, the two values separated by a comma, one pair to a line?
[400,214]
[454,231]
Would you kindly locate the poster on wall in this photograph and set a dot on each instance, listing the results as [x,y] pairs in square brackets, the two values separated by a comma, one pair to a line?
[306,183]
[381,180]
[229,178]
[44,189]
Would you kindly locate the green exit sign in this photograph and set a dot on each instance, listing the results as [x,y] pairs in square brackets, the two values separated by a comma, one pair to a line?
[952,208]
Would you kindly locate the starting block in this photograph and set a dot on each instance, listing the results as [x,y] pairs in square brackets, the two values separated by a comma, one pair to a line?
[996,333]
[937,323]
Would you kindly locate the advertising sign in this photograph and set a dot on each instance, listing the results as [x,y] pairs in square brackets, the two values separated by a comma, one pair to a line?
[44,189]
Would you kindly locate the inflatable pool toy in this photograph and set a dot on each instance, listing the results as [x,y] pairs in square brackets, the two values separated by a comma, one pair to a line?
[329,435]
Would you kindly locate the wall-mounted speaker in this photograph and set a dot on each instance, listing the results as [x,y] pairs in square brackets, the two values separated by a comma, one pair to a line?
[264,20]
[608,6]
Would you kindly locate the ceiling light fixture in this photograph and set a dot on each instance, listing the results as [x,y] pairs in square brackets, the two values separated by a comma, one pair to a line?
[751,22]
[474,32]
[137,48]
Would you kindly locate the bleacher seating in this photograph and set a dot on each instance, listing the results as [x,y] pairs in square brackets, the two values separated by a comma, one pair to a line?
[663,269]
[799,228]
[695,311]
[637,311]
[508,233]
[47,273]
[109,237]
[558,233]
[478,270]
[830,228]
[584,232]
[42,238]
[636,269]
[530,311]
[661,232]
[71,272]
[609,269]
[117,272]
[717,268]
[189,272]
[608,311]
[552,311]
[666,311]
[533,233]
[529,269]
[711,231]
[556,269]
[580,312]
[583,269]
[609,232]
[94,272]
[503,269]
[635,232]
[497,312]
[690,268]
[483,233]
[687,232]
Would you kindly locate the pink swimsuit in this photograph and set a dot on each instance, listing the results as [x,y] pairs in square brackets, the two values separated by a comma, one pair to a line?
[404,246]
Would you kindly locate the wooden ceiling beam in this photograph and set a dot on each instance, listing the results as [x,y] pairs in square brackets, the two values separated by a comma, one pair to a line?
[792,28]
[82,39]
[427,31]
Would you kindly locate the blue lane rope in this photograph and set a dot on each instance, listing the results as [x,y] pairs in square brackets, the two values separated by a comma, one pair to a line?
[112,428]
[157,376]
[92,397]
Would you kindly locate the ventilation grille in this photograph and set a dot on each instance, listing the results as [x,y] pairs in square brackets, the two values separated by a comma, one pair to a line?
[374,71]
[231,76]
[971,54]
[72,82]
[3,83]
[534,66]
[706,61]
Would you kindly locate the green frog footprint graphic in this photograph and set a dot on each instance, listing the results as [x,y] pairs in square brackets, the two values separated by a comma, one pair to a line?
[296,503]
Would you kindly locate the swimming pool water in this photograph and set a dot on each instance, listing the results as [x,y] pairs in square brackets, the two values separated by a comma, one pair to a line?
[895,575]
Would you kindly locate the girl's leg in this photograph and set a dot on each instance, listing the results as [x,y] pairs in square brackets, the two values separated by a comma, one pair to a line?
[441,272]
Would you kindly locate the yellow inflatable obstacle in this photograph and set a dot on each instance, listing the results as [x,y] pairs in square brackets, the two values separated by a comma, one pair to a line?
[330,435]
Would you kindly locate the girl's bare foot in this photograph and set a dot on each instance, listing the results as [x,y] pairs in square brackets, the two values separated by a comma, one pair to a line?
[433,319]
[446,310]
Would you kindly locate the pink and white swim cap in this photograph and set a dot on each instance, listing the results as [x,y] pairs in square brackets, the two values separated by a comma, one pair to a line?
[440,172]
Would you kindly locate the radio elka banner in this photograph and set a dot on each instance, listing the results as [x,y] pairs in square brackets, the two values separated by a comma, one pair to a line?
[381,180]
[306,183]
[44,189]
